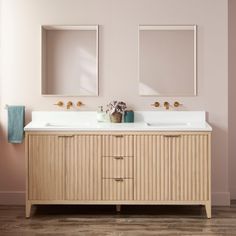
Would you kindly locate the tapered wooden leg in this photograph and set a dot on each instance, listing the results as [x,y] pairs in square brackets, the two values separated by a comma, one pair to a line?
[208,209]
[28,209]
[118,208]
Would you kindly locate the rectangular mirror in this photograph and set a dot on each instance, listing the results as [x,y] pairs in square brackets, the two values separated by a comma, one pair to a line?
[167,60]
[70,60]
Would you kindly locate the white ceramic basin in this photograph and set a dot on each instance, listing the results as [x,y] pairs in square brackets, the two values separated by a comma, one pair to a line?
[122,125]
[94,125]
[169,124]
[69,125]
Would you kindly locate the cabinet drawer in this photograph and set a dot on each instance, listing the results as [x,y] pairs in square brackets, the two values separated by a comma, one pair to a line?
[117,145]
[117,189]
[117,167]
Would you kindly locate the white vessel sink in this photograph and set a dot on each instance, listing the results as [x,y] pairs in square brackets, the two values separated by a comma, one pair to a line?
[144,121]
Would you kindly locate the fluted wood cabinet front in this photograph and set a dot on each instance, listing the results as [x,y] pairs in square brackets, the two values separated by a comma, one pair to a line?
[64,167]
[46,167]
[118,168]
[171,167]
[117,145]
[83,169]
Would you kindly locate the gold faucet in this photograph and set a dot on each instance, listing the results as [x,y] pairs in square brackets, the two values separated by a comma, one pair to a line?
[69,105]
[60,104]
[167,105]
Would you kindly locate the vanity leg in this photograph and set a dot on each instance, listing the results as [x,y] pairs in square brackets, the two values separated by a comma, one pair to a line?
[118,208]
[28,206]
[208,209]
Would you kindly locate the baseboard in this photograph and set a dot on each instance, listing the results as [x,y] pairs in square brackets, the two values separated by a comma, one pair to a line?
[233,193]
[12,197]
[221,199]
[18,198]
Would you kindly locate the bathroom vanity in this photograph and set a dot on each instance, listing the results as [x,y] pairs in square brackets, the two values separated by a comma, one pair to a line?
[161,158]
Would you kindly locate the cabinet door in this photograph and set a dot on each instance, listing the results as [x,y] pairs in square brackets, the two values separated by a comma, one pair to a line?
[83,169]
[46,167]
[172,167]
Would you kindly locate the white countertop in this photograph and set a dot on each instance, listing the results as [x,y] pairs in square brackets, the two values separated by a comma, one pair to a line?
[144,121]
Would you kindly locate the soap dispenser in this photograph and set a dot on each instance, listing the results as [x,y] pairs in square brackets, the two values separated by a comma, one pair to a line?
[101,115]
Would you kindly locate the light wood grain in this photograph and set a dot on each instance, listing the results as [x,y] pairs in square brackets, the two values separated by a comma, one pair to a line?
[179,162]
[115,202]
[117,189]
[117,145]
[46,167]
[83,169]
[118,168]
[27,201]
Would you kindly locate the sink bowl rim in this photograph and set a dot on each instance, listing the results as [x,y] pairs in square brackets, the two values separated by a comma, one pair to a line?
[169,124]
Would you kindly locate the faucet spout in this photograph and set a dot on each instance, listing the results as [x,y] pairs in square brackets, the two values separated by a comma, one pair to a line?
[69,105]
[167,105]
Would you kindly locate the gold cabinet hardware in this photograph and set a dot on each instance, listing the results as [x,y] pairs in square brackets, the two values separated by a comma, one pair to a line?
[119,136]
[79,104]
[69,105]
[177,104]
[156,104]
[172,136]
[66,136]
[119,158]
[166,105]
[60,104]
[119,179]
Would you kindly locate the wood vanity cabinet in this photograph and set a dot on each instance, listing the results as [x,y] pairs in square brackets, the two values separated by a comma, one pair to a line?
[118,168]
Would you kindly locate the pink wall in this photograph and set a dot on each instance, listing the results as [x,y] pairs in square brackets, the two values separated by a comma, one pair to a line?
[118,20]
[232,105]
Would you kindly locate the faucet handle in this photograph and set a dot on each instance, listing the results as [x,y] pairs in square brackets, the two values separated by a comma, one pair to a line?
[60,104]
[156,104]
[79,104]
[177,104]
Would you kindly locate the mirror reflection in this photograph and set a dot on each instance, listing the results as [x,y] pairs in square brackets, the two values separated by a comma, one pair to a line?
[167,60]
[70,60]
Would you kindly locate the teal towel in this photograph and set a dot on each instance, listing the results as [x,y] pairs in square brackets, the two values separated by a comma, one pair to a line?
[16,120]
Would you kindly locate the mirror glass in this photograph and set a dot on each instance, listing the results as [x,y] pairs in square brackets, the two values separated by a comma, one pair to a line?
[167,60]
[70,60]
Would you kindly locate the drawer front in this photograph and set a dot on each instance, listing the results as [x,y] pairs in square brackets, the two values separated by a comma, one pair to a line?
[117,167]
[117,145]
[117,189]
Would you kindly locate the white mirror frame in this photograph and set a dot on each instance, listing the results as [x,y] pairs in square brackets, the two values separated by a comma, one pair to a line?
[171,27]
[69,27]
